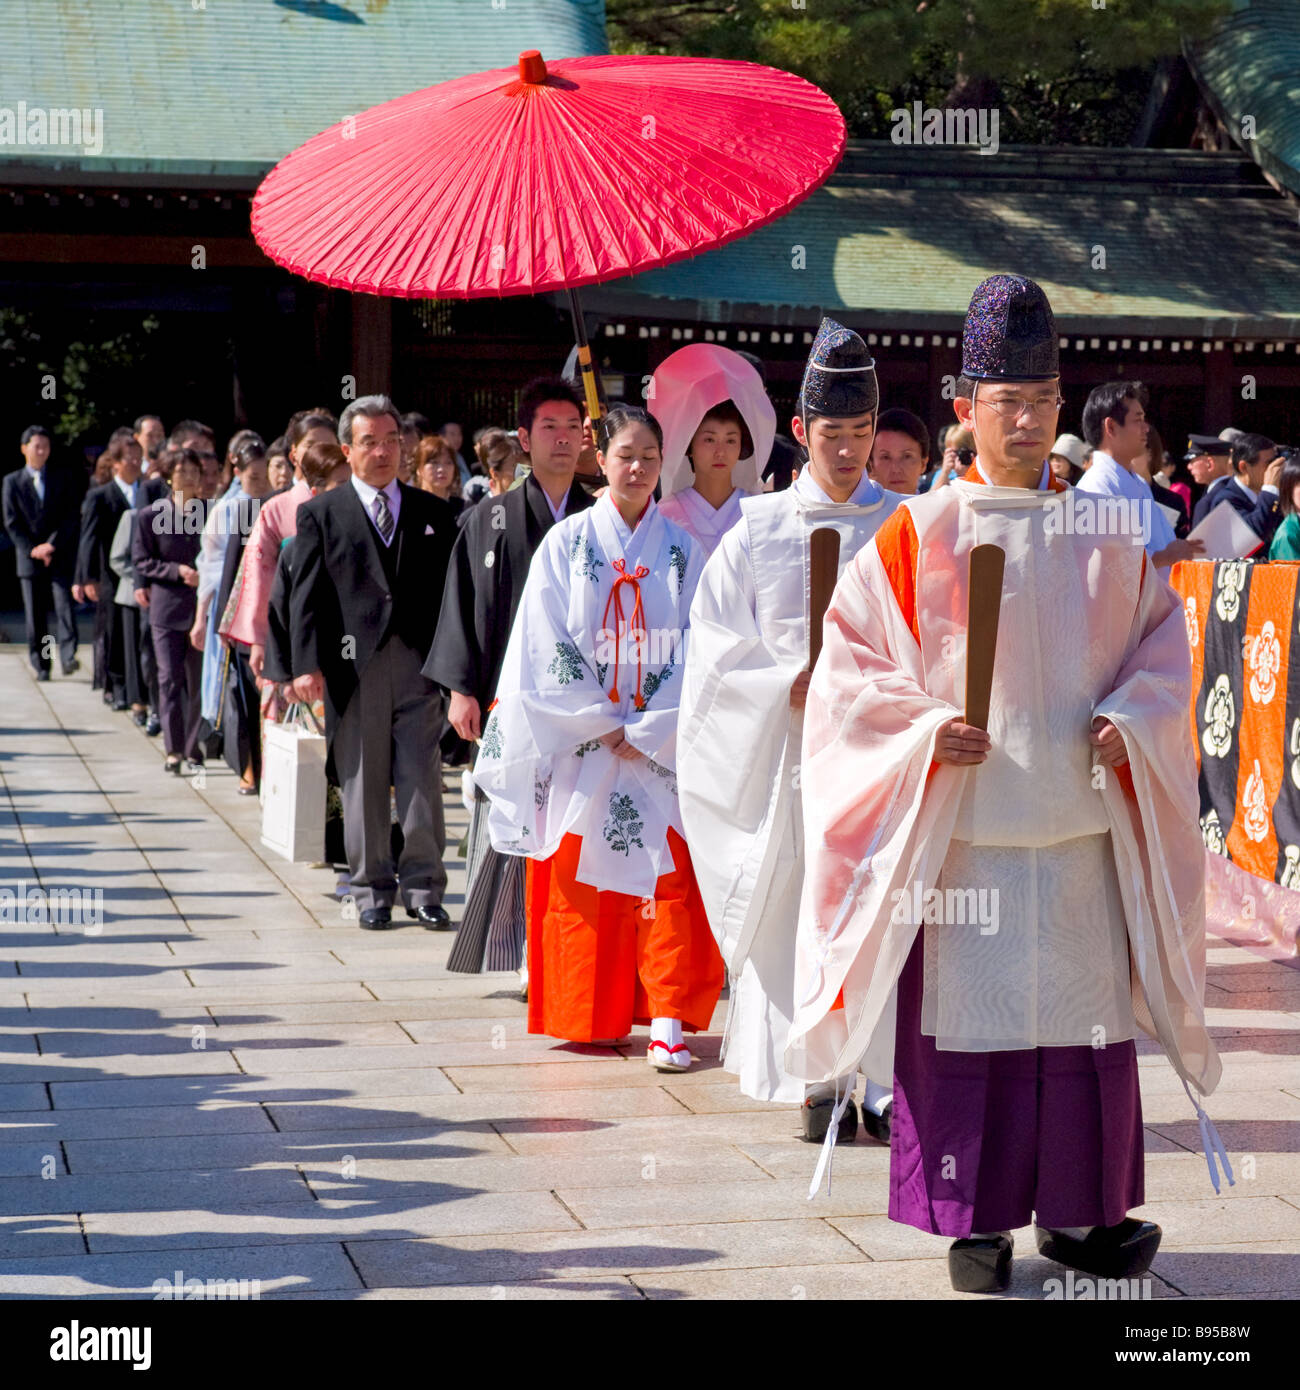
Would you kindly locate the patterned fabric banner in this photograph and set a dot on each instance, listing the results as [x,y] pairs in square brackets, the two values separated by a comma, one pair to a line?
[1242,625]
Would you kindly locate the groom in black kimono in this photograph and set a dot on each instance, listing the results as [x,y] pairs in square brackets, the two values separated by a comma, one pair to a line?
[485,581]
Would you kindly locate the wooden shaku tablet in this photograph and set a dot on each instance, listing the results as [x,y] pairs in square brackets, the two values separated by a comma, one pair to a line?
[983,603]
[824,571]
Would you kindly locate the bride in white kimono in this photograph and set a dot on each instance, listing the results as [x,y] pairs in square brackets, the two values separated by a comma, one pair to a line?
[718,428]
[578,758]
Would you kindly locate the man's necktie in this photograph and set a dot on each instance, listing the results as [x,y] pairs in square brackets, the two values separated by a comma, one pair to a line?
[383,518]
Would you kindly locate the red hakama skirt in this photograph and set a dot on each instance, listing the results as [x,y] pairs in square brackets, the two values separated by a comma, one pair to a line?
[600,961]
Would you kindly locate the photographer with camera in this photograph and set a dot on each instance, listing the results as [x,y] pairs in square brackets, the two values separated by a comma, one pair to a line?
[958,455]
[1253,489]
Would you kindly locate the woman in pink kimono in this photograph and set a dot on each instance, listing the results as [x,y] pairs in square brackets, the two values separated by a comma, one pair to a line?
[718,428]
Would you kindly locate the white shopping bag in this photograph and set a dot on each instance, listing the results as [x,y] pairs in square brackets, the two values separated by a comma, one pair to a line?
[293,790]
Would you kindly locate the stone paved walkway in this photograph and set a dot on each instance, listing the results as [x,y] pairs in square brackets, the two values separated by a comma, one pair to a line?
[233,1082]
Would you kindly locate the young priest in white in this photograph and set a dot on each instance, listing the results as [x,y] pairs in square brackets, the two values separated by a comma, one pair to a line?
[742,719]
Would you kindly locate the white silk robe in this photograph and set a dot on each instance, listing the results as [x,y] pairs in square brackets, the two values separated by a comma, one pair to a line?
[570,676]
[1087,628]
[738,754]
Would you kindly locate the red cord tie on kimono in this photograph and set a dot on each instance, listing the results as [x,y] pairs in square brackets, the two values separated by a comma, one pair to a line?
[636,626]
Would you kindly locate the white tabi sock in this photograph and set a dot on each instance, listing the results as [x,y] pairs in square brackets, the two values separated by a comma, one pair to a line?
[666,1030]
[875,1098]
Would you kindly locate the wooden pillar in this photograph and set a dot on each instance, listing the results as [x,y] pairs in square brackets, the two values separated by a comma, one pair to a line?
[1222,383]
[372,344]
[939,363]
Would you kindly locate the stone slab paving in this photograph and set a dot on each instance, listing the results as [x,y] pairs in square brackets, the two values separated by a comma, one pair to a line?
[229,1079]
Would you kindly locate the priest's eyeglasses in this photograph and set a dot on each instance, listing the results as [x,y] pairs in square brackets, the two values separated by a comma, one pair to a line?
[1013,407]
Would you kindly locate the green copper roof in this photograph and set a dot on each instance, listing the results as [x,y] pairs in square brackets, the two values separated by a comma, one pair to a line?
[1250,68]
[1146,241]
[227,87]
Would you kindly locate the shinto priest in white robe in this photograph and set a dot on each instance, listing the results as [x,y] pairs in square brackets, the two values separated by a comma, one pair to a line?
[1099,879]
[571,649]
[739,750]
[684,387]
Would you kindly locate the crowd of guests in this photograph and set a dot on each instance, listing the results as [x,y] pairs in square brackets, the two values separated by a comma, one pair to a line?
[163,649]
[185,556]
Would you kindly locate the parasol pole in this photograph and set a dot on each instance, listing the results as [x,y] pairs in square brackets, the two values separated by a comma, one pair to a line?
[532,72]
[590,384]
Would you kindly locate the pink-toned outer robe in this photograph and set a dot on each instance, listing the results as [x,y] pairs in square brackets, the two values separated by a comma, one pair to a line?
[276,523]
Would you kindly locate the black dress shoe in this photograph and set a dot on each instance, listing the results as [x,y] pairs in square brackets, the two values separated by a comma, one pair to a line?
[192,767]
[118,705]
[433,918]
[816,1116]
[980,1266]
[139,718]
[42,675]
[170,766]
[69,667]
[877,1126]
[1109,1252]
[376,918]
[153,726]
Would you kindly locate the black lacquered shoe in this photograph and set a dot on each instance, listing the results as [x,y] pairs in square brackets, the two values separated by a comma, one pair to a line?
[815,1113]
[878,1126]
[434,918]
[376,918]
[1109,1252]
[980,1266]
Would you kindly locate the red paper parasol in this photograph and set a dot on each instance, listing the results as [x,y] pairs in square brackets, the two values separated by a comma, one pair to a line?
[526,181]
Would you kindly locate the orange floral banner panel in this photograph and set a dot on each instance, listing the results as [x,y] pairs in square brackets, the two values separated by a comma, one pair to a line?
[1261,734]
[1246,711]
[1194,581]
[1286,806]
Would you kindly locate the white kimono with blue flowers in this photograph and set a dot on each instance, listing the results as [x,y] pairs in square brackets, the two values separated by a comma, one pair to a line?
[598,644]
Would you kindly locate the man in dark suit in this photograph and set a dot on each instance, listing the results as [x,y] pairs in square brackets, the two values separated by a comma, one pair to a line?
[1252,490]
[164,555]
[95,581]
[368,568]
[1209,461]
[40,507]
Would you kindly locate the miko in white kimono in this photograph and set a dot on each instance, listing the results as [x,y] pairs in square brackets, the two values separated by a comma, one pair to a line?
[996,916]
[742,721]
[718,428]
[578,758]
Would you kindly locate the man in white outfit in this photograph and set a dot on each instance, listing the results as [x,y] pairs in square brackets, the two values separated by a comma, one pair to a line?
[741,720]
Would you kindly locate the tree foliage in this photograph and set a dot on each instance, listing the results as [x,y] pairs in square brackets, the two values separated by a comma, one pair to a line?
[71,383]
[1061,71]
